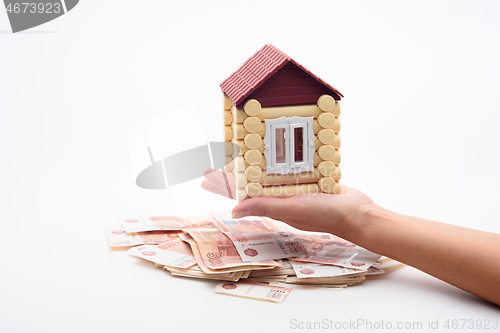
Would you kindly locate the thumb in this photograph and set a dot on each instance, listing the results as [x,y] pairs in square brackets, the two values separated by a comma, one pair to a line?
[274,208]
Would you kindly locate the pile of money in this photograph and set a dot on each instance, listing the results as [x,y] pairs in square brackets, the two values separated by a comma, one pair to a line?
[254,257]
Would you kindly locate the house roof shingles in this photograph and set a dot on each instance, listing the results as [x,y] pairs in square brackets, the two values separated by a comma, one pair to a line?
[257,69]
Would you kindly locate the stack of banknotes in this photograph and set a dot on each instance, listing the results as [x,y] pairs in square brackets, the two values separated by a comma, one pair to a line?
[253,257]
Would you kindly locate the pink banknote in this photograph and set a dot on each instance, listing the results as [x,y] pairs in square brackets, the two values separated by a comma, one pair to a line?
[257,224]
[259,291]
[201,260]
[173,253]
[119,238]
[197,254]
[266,245]
[386,263]
[218,251]
[151,223]
[332,250]
[309,269]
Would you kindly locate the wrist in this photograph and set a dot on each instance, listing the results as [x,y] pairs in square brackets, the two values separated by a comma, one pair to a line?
[364,223]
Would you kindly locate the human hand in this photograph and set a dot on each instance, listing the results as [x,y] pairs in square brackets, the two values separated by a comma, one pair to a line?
[338,214]
[219,182]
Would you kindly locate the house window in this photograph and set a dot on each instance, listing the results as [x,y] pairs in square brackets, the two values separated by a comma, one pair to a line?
[289,145]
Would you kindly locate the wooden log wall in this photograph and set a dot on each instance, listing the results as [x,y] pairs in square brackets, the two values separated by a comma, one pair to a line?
[246,128]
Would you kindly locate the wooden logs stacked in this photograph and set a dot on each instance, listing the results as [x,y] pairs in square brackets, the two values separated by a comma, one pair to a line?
[228,134]
[328,143]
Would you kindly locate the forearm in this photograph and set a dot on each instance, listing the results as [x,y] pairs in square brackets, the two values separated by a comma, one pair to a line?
[466,258]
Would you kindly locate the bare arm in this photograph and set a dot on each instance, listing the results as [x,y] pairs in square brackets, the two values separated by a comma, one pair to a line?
[466,258]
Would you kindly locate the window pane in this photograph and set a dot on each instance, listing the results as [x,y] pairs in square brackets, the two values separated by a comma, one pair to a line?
[280,146]
[299,144]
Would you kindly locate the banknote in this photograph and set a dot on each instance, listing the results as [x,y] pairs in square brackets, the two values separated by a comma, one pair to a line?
[307,270]
[173,253]
[218,251]
[249,255]
[332,250]
[254,290]
[196,272]
[197,255]
[204,223]
[267,279]
[272,275]
[182,261]
[336,288]
[257,224]
[152,223]
[119,238]
[285,268]
[266,245]
[204,258]
[332,280]
[386,263]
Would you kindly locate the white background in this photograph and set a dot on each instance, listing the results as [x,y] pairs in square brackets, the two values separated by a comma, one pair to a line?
[419,136]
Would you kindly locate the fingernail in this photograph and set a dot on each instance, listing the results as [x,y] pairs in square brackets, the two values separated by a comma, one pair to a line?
[240,214]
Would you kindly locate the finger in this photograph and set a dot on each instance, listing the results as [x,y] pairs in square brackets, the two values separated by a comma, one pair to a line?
[206,185]
[275,208]
[220,179]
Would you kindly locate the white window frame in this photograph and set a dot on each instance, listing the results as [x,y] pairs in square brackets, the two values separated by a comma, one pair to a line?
[289,124]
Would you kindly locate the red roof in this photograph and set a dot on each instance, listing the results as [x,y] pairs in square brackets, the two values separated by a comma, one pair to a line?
[257,69]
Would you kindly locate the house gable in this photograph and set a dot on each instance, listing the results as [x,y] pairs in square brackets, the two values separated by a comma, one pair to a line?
[275,79]
[290,85]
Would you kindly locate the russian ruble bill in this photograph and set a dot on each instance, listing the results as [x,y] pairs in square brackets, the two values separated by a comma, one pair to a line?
[259,238]
[172,253]
[196,272]
[119,238]
[385,262]
[261,224]
[284,268]
[332,250]
[254,290]
[304,270]
[266,245]
[217,251]
[254,252]
[326,281]
[152,223]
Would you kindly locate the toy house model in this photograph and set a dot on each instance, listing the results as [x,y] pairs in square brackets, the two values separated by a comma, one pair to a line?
[285,121]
